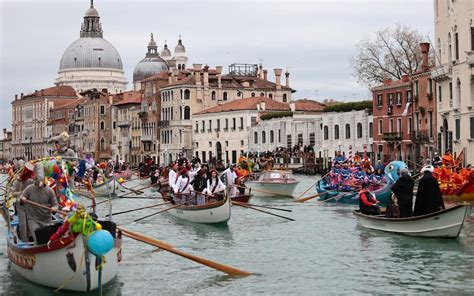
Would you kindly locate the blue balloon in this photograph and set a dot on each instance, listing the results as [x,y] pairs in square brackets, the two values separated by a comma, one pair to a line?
[100,242]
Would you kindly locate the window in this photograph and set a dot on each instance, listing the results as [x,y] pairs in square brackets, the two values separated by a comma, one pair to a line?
[430,87]
[380,127]
[440,97]
[241,123]
[456,44]
[187,94]
[279,136]
[472,38]
[241,142]
[239,94]
[450,94]
[336,132]
[417,94]
[102,125]
[226,124]
[359,130]
[371,130]
[218,128]
[457,122]
[284,98]
[102,110]
[102,144]
[399,125]
[213,96]
[409,98]
[210,126]
[410,125]
[253,95]
[472,127]
[272,136]
[197,127]
[300,139]
[255,138]
[224,96]
[399,98]
[203,126]
[187,112]
[288,141]
[391,125]
[326,132]
[379,100]
[262,94]
[264,138]
[270,96]
[348,131]
[312,140]
[430,124]
[390,99]
[233,124]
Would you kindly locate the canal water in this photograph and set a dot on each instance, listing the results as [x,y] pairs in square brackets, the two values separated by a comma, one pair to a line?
[323,252]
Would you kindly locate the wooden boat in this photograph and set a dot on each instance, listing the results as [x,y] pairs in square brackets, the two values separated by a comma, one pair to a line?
[126,175]
[463,194]
[382,193]
[65,263]
[273,184]
[444,224]
[241,198]
[211,213]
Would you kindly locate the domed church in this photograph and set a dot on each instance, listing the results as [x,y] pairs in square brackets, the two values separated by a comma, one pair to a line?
[91,61]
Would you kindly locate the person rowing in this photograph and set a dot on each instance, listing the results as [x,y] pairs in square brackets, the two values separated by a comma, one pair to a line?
[215,187]
[368,204]
[182,188]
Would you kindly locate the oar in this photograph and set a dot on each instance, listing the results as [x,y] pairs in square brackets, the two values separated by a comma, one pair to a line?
[250,207]
[137,209]
[311,186]
[148,216]
[45,207]
[308,198]
[136,191]
[263,191]
[334,197]
[167,247]
[258,206]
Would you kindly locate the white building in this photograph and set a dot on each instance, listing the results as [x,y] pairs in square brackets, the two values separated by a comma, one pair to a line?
[91,61]
[326,132]
[454,75]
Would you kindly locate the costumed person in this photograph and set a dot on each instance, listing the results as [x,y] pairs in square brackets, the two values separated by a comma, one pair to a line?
[182,188]
[61,146]
[368,204]
[428,196]
[403,190]
[456,178]
[39,193]
[465,173]
[173,177]
[448,159]
[230,177]
[90,162]
[199,184]
[24,180]
[215,187]
[437,160]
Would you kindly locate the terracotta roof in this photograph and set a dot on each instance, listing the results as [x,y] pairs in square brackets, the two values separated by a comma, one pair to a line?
[55,91]
[58,104]
[309,105]
[247,104]
[129,97]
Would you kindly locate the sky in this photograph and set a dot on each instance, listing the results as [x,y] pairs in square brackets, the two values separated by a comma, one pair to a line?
[313,40]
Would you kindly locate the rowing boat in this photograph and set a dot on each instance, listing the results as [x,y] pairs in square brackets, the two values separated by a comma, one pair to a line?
[443,224]
[211,213]
[241,198]
[273,184]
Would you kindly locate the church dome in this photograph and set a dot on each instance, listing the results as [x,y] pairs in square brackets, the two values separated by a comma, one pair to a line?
[152,63]
[90,52]
[92,12]
[180,47]
[166,52]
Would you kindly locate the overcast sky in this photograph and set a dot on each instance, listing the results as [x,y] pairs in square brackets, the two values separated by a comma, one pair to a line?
[314,40]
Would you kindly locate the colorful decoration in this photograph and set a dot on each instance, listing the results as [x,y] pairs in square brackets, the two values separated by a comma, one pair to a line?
[100,242]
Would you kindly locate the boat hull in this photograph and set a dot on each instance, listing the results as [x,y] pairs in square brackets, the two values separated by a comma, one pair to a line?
[264,189]
[207,214]
[55,268]
[241,198]
[443,224]
[382,194]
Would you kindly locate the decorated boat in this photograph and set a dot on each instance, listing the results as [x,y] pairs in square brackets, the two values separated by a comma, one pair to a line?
[443,224]
[210,213]
[273,184]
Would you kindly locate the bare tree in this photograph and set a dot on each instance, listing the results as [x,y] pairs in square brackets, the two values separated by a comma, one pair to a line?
[393,53]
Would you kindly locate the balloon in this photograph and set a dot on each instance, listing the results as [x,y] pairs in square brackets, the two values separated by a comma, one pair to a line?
[121,180]
[100,242]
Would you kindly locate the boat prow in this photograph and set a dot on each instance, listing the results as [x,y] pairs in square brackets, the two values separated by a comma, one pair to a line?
[442,224]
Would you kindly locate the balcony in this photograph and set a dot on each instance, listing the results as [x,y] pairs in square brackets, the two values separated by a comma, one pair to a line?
[143,114]
[163,123]
[124,123]
[441,72]
[392,137]
[421,136]
[146,138]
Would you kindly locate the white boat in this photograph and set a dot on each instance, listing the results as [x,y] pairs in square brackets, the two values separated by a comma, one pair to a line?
[66,263]
[274,184]
[445,224]
[211,213]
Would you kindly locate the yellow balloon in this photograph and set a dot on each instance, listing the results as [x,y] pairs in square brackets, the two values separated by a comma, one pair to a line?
[98,226]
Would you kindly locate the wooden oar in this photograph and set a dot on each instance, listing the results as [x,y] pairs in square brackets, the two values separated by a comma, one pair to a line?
[250,207]
[258,206]
[167,247]
[162,211]
[309,197]
[263,191]
[137,209]
[312,186]
[45,207]
[138,190]
[334,197]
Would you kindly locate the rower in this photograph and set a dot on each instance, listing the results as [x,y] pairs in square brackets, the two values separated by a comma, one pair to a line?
[182,188]
[214,185]
[368,204]
[24,180]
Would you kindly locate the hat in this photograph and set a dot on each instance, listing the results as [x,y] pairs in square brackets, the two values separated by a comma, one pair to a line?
[428,168]
[29,166]
[183,170]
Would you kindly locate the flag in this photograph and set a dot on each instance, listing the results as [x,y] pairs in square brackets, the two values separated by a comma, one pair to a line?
[460,158]
[405,112]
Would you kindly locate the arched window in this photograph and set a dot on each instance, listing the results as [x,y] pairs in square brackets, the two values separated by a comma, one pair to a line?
[272,136]
[187,94]
[102,144]
[181,91]
[359,130]
[450,48]
[239,93]
[284,98]
[348,131]
[264,138]
[255,138]
[253,95]
[326,132]
[102,125]
[213,96]
[187,112]
[262,94]
[224,96]
[270,96]
[336,132]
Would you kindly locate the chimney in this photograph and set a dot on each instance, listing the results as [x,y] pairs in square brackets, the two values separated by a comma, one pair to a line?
[111,100]
[405,78]
[265,74]
[287,75]
[219,75]
[174,77]
[425,48]
[197,73]
[262,106]
[206,75]
[170,77]
[171,64]
[277,78]
[292,107]
[260,71]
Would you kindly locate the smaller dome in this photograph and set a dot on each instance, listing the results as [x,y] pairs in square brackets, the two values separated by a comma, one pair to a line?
[165,52]
[92,12]
[149,66]
[152,42]
[180,47]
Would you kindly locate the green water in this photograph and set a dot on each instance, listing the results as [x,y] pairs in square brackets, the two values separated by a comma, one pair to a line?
[323,252]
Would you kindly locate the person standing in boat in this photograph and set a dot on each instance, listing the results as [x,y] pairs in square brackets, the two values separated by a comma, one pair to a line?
[215,187]
[403,190]
[368,204]
[42,194]
[182,188]
[24,180]
[199,184]
[230,177]
[428,196]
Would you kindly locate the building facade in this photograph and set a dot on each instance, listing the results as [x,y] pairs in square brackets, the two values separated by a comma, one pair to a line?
[454,76]
[6,147]
[30,119]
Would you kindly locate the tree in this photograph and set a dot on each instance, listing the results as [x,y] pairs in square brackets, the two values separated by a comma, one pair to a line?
[393,53]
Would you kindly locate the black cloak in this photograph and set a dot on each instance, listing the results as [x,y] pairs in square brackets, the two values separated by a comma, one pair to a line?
[428,197]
